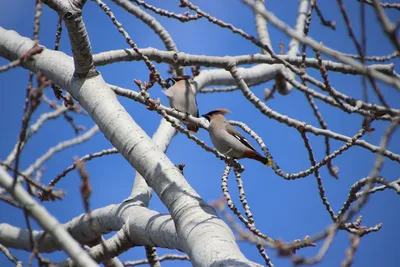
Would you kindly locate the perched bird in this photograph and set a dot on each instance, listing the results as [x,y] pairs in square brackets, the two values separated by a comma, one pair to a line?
[182,97]
[228,140]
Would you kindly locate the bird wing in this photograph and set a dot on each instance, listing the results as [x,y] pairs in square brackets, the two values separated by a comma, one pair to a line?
[168,92]
[231,130]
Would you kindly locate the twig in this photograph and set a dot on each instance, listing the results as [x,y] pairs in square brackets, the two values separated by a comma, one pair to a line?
[375,171]
[36,23]
[184,59]
[324,74]
[46,189]
[321,253]
[321,189]
[392,185]
[274,115]
[25,57]
[283,87]
[10,201]
[58,34]
[384,5]
[246,235]
[162,258]
[75,127]
[360,51]
[250,218]
[33,129]
[154,74]
[157,27]
[162,12]
[219,89]
[351,251]
[332,171]
[388,27]
[354,193]
[393,55]
[9,256]
[327,23]
[85,158]
[59,147]
[292,122]
[85,187]
[328,51]
[232,207]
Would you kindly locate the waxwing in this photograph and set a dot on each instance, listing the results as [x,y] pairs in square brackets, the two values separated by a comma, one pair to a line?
[182,97]
[228,140]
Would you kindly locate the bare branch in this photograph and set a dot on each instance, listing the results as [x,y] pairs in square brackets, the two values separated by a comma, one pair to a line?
[48,222]
[59,147]
[388,27]
[162,12]
[8,254]
[162,258]
[85,158]
[384,5]
[154,25]
[326,50]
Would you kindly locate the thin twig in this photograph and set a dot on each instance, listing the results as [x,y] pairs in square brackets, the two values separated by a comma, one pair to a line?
[162,258]
[59,147]
[384,5]
[162,12]
[250,218]
[9,256]
[154,74]
[46,189]
[85,158]
[332,170]
[326,50]
[272,114]
[360,51]
[324,74]
[321,189]
[232,207]
[388,27]
[351,251]
[327,23]
[25,57]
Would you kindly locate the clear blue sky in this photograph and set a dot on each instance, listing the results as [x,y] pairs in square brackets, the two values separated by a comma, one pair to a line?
[283,209]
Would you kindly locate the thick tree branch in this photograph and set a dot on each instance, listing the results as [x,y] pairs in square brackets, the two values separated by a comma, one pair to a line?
[184,59]
[184,204]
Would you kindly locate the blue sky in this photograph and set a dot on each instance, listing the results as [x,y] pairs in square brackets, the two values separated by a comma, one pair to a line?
[282,209]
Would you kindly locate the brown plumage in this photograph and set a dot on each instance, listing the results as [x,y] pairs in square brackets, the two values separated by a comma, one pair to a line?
[182,97]
[228,140]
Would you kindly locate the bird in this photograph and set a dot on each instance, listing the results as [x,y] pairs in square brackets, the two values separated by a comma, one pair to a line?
[228,140]
[182,97]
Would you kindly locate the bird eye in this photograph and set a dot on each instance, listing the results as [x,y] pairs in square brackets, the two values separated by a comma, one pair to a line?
[206,116]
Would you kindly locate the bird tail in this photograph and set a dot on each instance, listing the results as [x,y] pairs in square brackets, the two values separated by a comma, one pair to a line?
[192,128]
[258,157]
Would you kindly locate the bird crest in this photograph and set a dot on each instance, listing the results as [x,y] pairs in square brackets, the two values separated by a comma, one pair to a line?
[177,79]
[221,111]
